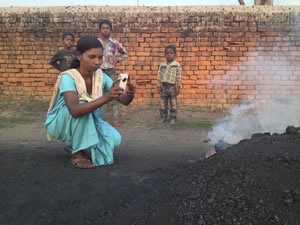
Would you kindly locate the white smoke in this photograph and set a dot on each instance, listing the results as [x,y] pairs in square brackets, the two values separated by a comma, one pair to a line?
[278,103]
[245,120]
[275,103]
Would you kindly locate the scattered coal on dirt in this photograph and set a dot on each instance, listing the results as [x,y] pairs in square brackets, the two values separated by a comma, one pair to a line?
[256,181]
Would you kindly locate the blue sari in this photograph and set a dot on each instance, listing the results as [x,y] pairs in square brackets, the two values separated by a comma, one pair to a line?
[87,131]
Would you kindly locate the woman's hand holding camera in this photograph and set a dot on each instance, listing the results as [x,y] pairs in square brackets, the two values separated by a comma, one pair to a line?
[131,87]
[114,91]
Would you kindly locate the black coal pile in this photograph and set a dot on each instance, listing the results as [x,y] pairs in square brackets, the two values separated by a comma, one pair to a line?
[221,145]
[254,182]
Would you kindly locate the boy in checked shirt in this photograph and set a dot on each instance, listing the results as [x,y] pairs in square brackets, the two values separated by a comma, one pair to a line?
[111,48]
[169,84]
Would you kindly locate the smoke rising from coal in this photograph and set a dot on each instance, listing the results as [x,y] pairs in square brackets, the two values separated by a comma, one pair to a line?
[248,119]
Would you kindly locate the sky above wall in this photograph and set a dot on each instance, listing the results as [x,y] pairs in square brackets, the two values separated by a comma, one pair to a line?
[39,3]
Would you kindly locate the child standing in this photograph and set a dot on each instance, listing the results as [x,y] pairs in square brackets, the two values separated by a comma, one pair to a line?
[169,84]
[111,48]
[63,58]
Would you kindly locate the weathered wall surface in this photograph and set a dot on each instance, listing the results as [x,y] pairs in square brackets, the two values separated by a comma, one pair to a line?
[228,54]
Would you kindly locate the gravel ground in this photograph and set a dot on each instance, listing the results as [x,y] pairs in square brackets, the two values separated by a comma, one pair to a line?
[254,182]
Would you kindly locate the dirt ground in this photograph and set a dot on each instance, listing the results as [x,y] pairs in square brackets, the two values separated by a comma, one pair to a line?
[38,185]
[160,176]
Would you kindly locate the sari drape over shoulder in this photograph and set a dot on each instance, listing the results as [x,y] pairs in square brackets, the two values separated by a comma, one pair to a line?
[89,130]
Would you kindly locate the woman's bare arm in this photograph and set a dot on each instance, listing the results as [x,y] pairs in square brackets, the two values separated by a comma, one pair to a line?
[77,110]
[127,97]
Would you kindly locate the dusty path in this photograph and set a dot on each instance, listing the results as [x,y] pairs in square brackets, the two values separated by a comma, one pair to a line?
[39,186]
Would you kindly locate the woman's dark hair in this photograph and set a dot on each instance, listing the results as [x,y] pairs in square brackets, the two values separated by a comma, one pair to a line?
[84,44]
[67,34]
[170,47]
[105,21]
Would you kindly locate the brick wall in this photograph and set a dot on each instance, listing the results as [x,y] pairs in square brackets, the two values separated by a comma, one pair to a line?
[228,54]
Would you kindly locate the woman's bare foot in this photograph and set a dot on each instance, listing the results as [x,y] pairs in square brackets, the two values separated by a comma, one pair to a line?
[79,160]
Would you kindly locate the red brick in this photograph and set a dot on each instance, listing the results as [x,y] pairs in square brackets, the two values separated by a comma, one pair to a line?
[215,63]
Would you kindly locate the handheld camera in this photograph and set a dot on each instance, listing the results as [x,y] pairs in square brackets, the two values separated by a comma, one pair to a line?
[123,80]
